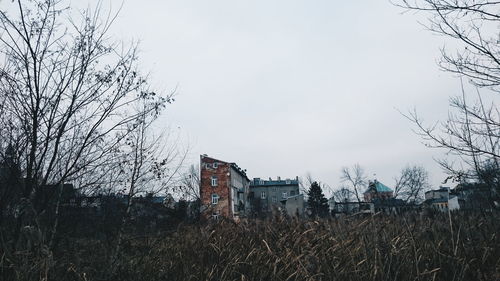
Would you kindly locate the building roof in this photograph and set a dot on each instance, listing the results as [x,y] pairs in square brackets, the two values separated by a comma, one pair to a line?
[241,171]
[378,186]
[257,182]
[203,156]
[441,189]
[233,165]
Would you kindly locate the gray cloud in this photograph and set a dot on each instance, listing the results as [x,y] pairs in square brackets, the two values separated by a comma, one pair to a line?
[289,87]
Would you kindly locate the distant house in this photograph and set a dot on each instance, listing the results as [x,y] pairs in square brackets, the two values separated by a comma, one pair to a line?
[391,206]
[442,199]
[444,204]
[268,195]
[476,196]
[377,190]
[442,192]
[351,208]
[224,189]
[378,197]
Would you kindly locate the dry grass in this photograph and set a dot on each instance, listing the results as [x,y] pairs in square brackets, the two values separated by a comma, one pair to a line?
[375,248]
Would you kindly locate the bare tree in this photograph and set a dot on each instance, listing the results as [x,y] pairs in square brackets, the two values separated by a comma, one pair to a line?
[343,194]
[148,163]
[411,183]
[472,130]
[474,24]
[471,134]
[490,175]
[189,187]
[355,180]
[305,184]
[67,93]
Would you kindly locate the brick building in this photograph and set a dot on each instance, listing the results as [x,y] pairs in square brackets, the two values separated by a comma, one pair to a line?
[377,190]
[224,189]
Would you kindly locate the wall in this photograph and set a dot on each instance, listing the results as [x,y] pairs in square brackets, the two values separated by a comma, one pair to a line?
[295,205]
[239,191]
[436,194]
[222,172]
[272,191]
[453,203]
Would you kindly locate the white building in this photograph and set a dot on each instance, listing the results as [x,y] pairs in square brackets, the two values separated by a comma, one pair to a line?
[442,200]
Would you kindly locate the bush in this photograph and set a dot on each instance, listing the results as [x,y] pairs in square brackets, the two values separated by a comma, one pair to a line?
[463,247]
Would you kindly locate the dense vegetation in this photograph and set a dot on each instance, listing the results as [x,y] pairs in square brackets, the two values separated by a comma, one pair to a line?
[412,247]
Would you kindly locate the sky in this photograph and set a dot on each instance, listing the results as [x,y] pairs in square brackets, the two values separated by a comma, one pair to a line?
[287,87]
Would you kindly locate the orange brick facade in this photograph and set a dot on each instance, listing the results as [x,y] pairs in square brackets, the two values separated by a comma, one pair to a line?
[222,172]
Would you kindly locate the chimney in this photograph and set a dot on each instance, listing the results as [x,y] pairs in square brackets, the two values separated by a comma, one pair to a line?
[279,178]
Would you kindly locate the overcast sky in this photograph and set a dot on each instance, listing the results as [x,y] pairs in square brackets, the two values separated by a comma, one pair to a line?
[286,88]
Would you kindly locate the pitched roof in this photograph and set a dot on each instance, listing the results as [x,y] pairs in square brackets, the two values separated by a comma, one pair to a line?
[233,165]
[378,186]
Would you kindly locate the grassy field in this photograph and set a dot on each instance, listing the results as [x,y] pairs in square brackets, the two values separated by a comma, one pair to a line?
[463,247]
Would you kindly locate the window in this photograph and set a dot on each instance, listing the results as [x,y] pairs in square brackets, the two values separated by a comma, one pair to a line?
[274,199]
[263,195]
[215,199]
[215,215]
[215,181]
[284,195]
[214,165]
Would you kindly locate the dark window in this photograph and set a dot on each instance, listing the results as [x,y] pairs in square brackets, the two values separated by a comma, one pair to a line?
[215,199]
[215,181]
